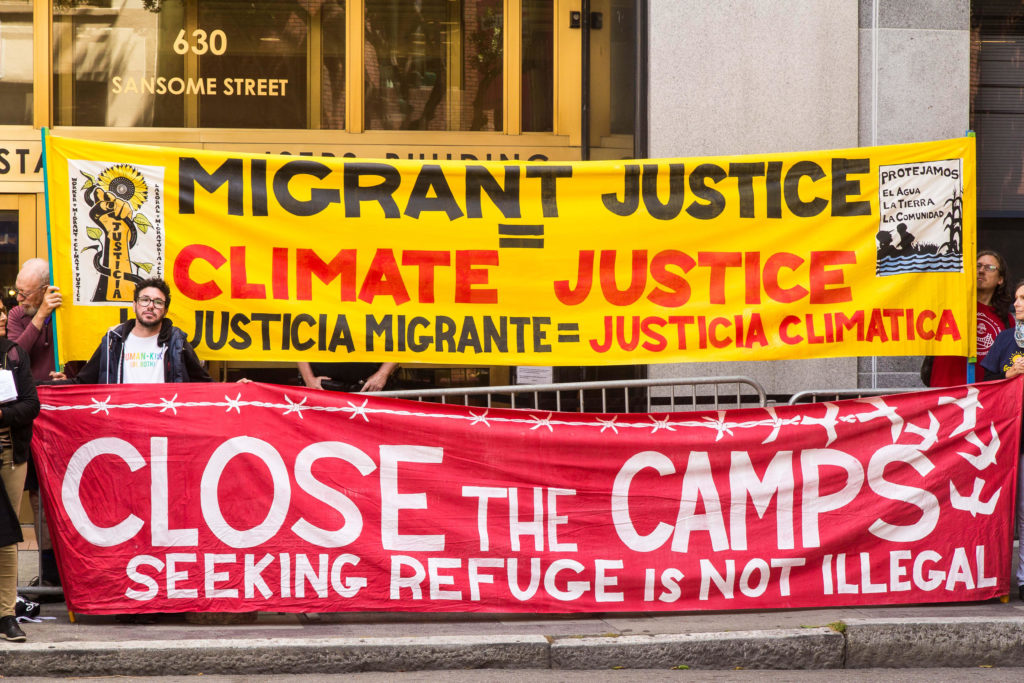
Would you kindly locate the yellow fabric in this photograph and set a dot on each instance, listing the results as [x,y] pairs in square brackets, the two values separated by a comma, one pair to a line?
[722,258]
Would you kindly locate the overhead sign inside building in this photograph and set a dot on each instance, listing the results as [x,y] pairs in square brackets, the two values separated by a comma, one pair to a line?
[851,252]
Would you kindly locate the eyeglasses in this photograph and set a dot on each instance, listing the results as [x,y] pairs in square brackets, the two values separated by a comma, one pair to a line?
[155,303]
[988,267]
[24,295]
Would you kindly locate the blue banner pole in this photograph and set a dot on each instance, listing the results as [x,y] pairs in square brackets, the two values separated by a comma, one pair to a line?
[49,243]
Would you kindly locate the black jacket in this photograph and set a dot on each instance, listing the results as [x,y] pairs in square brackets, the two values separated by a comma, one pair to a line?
[18,415]
[180,362]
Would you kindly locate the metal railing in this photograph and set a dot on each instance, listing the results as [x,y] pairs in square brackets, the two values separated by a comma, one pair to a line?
[40,591]
[625,395]
[819,395]
[628,395]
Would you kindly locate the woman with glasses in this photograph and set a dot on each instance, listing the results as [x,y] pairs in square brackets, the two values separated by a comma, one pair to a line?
[1005,359]
[19,405]
[994,299]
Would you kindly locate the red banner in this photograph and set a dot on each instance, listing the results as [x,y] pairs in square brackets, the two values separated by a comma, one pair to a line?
[170,498]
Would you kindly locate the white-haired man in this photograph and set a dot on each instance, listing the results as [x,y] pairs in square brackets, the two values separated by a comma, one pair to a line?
[30,326]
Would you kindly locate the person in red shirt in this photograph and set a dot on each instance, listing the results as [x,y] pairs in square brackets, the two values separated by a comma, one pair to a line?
[994,299]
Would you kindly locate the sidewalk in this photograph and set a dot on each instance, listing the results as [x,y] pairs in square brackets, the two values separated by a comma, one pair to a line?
[940,635]
[949,635]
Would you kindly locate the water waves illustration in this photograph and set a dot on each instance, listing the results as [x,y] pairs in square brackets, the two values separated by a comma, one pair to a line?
[917,263]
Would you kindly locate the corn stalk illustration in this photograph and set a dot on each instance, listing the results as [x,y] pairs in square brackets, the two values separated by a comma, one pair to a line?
[114,198]
[954,224]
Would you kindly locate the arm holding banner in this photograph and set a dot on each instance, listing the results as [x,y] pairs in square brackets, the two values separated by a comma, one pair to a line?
[308,378]
[377,380]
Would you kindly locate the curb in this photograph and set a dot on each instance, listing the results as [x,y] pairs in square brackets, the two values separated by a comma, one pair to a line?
[923,642]
[863,643]
[274,656]
[813,648]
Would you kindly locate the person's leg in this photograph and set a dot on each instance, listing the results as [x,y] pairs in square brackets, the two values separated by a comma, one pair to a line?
[1020,527]
[13,477]
[8,579]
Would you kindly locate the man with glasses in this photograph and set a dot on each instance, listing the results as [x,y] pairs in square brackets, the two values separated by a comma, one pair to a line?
[30,324]
[993,316]
[148,349]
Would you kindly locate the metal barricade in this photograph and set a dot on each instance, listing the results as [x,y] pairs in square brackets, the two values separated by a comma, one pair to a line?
[635,395]
[648,395]
[820,395]
[40,590]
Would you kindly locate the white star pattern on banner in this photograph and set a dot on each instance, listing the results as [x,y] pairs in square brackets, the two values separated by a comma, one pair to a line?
[668,422]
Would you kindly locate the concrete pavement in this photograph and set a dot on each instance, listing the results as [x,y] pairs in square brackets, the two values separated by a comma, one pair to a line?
[950,635]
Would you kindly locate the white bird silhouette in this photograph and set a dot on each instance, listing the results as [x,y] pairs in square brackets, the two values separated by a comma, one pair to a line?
[883,410]
[973,502]
[928,436]
[829,422]
[969,404]
[988,451]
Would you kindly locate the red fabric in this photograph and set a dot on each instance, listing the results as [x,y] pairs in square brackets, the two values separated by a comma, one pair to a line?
[159,498]
[949,371]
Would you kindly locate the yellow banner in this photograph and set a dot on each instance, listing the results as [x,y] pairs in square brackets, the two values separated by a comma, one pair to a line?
[852,252]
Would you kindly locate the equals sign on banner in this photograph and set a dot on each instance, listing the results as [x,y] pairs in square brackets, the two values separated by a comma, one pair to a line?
[520,236]
[568,332]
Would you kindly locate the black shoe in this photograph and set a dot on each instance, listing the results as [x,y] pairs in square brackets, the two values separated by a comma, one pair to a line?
[1020,592]
[9,630]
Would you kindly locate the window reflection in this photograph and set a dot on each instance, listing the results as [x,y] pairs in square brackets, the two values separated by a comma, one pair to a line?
[429,64]
[263,73]
[434,65]
[332,67]
[16,62]
[115,65]
[223,63]
[538,49]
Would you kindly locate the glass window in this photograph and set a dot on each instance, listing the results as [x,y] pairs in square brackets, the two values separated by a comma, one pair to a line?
[998,106]
[115,64]
[613,81]
[8,249]
[434,65]
[16,62]
[332,66]
[538,50]
[280,64]
[262,73]
[213,64]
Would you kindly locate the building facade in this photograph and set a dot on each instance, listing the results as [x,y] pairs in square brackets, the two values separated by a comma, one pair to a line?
[509,79]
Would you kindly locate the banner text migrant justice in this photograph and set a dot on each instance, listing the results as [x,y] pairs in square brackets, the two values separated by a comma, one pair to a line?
[432,192]
[250,187]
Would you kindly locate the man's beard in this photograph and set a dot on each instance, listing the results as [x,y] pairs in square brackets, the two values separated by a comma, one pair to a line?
[149,326]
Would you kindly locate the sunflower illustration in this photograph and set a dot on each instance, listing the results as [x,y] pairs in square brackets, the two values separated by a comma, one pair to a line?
[115,197]
[125,183]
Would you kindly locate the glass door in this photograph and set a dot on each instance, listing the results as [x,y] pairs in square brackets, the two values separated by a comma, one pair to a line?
[610,83]
[17,217]
[611,38]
